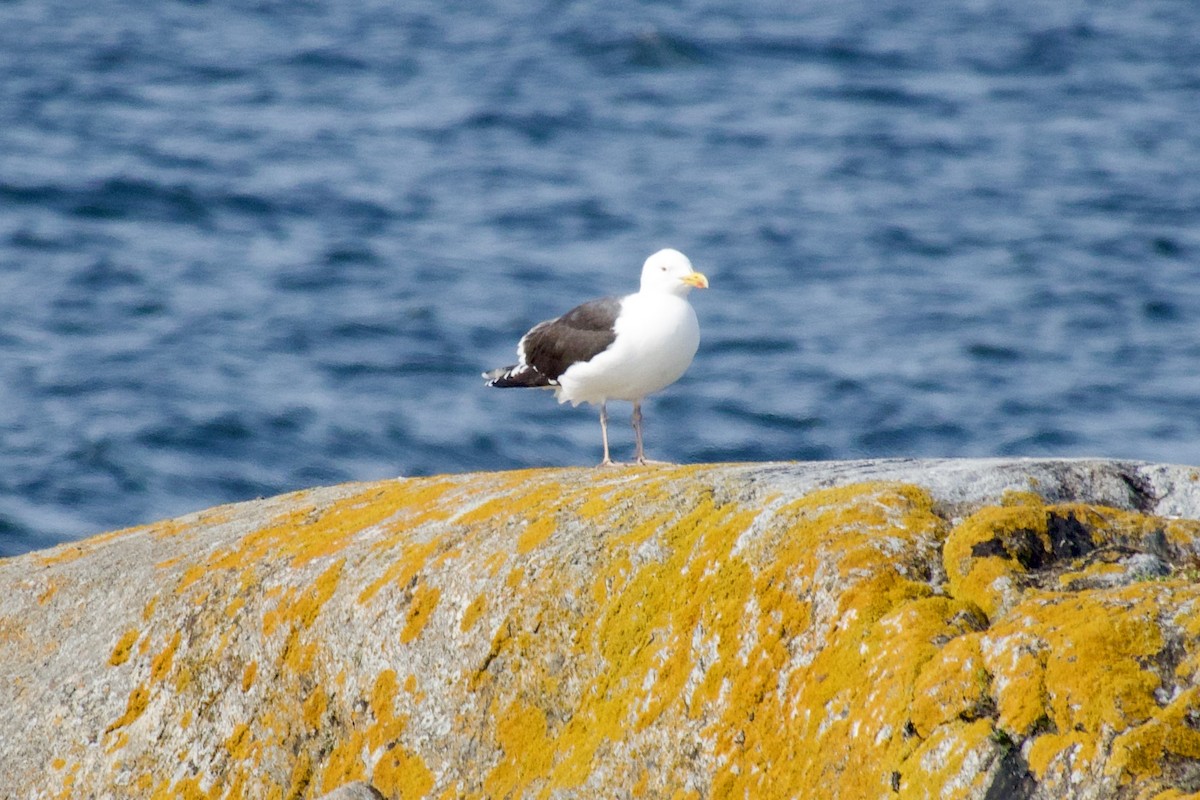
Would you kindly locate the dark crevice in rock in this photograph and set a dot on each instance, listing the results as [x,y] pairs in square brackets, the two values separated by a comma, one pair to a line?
[992,547]
[1012,779]
[1069,538]
[1141,495]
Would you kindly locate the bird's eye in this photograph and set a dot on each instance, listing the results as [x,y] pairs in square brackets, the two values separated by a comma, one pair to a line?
[664,269]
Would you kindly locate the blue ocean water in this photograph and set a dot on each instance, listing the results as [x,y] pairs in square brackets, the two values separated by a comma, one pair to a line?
[258,246]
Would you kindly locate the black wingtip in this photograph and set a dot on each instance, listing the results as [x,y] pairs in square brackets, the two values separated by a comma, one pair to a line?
[518,376]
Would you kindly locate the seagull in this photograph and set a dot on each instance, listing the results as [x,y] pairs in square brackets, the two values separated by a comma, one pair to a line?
[615,348]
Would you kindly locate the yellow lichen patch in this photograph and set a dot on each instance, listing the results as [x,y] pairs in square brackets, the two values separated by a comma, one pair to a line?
[1058,752]
[946,765]
[314,708]
[301,777]
[494,562]
[148,611]
[168,528]
[528,751]
[344,763]
[47,593]
[412,559]
[515,578]
[401,774]
[160,665]
[1014,497]
[170,562]
[387,726]
[953,683]
[139,698]
[190,576]
[68,783]
[66,553]
[1076,664]
[307,532]
[424,601]
[185,789]
[446,557]
[238,787]
[240,742]
[694,624]
[523,490]
[1146,750]
[1017,664]
[535,534]
[983,554]
[299,608]
[304,611]
[472,613]
[121,652]
[248,675]
[990,557]
[616,501]
[235,606]
[1096,648]
[62,554]
[298,654]
[1180,532]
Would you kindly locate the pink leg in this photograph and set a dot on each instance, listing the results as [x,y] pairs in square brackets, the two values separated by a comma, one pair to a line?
[607,462]
[637,431]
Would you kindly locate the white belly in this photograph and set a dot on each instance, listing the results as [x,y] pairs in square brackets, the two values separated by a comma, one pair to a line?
[657,338]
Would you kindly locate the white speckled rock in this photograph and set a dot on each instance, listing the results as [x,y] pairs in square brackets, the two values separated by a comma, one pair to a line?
[959,628]
[354,791]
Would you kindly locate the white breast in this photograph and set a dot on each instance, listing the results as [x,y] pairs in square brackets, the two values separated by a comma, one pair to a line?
[657,338]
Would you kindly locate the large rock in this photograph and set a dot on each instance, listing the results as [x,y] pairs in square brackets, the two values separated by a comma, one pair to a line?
[983,629]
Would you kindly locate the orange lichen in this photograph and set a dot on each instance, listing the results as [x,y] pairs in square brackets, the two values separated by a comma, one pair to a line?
[248,675]
[344,764]
[515,578]
[160,665]
[521,733]
[411,560]
[401,774]
[47,593]
[472,613]
[66,553]
[139,698]
[383,706]
[306,607]
[234,607]
[240,742]
[652,631]
[121,652]
[301,777]
[537,532]
[656,617]
[424,601]
[314,708]
[1144,751]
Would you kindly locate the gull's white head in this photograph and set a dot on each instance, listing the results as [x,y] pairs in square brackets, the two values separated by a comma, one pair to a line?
[670,271]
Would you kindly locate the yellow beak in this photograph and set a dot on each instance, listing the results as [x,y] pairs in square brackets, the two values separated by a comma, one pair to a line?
[696,279]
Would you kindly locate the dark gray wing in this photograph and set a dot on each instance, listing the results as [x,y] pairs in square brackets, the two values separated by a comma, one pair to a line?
[579,335]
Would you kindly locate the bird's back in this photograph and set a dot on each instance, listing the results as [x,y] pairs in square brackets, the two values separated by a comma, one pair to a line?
[657,336]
